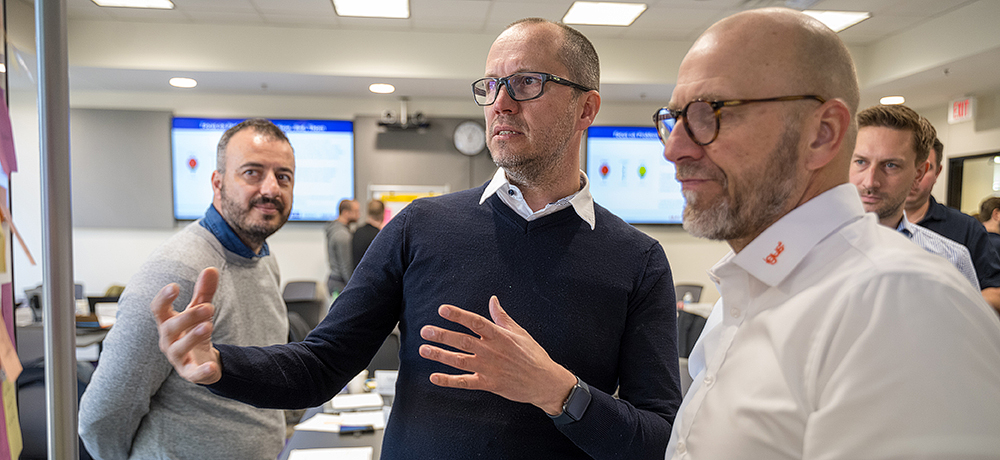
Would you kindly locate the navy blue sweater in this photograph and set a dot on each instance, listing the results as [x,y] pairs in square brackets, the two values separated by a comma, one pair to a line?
[600,302]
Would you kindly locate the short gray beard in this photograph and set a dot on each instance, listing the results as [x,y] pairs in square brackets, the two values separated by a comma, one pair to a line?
[739,216]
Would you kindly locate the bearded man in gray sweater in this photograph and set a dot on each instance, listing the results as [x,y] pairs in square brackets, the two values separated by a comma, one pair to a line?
[136,406]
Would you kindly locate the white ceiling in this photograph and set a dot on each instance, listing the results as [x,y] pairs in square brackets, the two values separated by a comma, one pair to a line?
[675,23]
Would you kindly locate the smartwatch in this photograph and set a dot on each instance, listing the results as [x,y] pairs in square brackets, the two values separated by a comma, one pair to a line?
[576,404]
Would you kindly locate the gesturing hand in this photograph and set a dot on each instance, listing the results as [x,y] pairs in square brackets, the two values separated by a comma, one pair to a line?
[185,337]
[504,359]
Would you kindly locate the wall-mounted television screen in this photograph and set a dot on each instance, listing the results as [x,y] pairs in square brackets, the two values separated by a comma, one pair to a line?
[629,176]
[324,165]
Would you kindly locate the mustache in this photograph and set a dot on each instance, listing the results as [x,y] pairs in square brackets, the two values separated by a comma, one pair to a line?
[864,191]
[277,202]
[686,171]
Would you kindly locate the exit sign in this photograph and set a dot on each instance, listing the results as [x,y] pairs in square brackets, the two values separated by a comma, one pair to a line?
[962,110]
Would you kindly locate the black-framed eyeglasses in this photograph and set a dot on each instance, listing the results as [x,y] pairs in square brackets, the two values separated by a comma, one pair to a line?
[521,86]
[701,118]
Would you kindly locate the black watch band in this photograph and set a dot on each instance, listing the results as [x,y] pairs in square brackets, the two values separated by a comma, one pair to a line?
[576,404]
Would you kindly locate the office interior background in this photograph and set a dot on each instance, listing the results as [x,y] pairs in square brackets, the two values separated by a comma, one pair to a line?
[297,59]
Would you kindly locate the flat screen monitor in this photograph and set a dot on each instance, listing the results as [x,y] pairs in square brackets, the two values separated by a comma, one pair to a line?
[629,176]
[324,165]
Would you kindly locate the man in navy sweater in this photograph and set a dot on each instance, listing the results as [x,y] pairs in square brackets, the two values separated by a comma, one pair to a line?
[588,300]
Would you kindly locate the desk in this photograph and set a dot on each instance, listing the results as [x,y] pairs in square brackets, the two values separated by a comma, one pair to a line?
[31,340]
[316,439]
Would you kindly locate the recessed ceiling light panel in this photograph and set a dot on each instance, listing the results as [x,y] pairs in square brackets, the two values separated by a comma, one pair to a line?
[393,9]
[157,4]
[381,88]
[892,100]
[839,20]
[603,13]
[183,82]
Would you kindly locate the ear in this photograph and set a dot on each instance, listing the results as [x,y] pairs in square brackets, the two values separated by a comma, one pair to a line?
[921,171]
[826,132]
[217,184]
[591,102]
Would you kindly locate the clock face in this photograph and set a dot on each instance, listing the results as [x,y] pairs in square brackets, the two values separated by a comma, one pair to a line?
[470,137]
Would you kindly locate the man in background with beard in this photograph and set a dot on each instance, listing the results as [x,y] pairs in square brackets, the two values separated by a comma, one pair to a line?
[834,337]
[136,406]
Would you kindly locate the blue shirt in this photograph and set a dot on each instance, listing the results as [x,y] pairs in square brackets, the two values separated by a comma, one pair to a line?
[957,254]
[214,222]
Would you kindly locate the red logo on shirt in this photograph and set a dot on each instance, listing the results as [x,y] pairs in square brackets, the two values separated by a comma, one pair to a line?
[773,257]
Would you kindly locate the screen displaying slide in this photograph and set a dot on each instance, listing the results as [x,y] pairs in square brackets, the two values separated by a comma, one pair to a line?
[324,165]
[629,176]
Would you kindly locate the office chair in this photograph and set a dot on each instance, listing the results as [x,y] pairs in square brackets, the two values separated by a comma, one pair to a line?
[302,297]
[387,356]
[694,289]
[689,327]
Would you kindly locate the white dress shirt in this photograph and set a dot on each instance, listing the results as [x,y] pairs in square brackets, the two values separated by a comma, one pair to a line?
[836,338]
[581,201]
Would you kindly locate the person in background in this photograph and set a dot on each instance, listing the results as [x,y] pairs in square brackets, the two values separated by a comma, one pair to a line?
[922,209]
[338,246]
[588,299]
[989,215]
[889,159]
[834,336]
[136,406]
[364,235]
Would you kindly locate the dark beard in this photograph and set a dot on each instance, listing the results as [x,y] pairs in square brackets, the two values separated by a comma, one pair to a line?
[237,218]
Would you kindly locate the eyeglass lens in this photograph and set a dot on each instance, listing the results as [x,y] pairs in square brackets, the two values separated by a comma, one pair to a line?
[700,119]
[524,86]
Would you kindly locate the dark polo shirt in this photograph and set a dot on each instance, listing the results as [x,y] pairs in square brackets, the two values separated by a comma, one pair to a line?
[968,231]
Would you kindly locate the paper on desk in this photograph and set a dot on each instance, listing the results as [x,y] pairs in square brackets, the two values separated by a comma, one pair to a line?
[332,423]
[356,401]
[335,453]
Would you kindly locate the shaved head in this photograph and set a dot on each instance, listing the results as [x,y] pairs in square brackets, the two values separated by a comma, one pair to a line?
[802,145]
[780,51]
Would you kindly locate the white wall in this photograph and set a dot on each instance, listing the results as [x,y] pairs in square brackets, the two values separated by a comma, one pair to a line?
[981,135]
[105,257]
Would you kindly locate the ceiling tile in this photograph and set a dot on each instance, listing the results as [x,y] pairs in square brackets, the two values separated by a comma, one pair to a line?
[209,17]
[504,13]
[305,8]
[233,6]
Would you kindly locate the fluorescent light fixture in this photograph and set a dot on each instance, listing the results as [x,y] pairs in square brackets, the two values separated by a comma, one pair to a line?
[158,4]
[182,82]
[395,9]
[603,13]
[3,68]
[381,88]
[892,100]
[839,20]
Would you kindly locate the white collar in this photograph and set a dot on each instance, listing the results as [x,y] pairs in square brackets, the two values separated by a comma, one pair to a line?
[581,201]
[778,250]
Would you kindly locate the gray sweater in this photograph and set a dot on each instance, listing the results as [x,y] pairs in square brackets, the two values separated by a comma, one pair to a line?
[137,407]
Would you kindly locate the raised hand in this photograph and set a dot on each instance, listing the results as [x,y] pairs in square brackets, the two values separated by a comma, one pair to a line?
[504,359]
[185,337]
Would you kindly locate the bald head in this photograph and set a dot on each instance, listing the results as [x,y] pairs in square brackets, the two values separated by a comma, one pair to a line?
[778,51]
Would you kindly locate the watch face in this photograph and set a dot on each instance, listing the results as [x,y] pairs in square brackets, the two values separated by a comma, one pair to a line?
[470,137]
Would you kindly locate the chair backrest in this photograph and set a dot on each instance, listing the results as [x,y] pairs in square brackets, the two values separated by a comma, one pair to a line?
[694,289]
[387,356]
[298,328]
[689,327]
[309,310]
[300,290]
